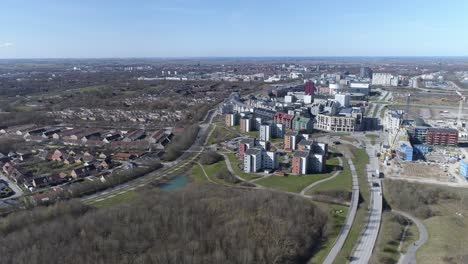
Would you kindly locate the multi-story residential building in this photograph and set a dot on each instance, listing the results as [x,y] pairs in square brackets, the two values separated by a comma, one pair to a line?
[300,162]
[434,136]
[343,99]
[244,145]
[284,118]
[384,79]
[301,123]
[257,123]
[232,119]
[418,134]
[442,136]
[393,120]
[309,88]
[253,160]
[365,72]
[310,157]
[265,145]
[279,130]
[305,145]
[246,124]
[317,163]
[270,160]
[291,139]
[266,131]
[336,123]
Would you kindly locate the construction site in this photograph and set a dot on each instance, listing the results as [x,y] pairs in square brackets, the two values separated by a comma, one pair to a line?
[425,137]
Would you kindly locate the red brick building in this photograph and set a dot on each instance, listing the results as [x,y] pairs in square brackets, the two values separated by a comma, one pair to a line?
[442,136]
[284,118]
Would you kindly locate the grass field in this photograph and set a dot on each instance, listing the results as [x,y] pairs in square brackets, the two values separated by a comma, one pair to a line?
[116,199]
[448,233]
[337,215]
[234,163]
[342,182]
[390,236]
[295,183]
[211,170]
[221,134]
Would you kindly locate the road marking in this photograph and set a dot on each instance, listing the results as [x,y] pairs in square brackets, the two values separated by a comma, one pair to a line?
[122,192]
[110,196]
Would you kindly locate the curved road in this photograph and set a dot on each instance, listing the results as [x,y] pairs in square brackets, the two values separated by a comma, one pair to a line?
[410,256]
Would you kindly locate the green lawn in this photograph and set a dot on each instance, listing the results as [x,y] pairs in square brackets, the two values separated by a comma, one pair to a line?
[197,174]
[296,183]
[388,241]
[116,199]
[234,163]
[211,170]
[337,215]
[342,182]
[221,134]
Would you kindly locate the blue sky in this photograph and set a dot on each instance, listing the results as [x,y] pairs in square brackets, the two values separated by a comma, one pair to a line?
[199,28]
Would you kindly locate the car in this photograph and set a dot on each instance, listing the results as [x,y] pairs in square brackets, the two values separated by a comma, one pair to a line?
[375,184]
[336,142]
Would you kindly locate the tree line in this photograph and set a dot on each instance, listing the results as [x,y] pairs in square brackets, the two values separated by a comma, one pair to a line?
[198,224]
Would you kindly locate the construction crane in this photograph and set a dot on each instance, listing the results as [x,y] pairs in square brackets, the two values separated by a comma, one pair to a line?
[460,107]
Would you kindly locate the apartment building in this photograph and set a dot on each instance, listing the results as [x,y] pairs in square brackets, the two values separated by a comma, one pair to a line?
[266,131]
[232,119]
[291,139]
[301,123]
[244,145]
[300,162]
[246,124]
[253,160]
[434,136]
[336,123]
[284,118]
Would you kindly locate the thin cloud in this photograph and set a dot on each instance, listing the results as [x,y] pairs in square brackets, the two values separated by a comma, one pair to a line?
[6,44]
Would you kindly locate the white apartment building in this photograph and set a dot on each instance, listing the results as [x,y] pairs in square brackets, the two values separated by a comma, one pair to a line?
[252,160]
[392,119]
[384,79]
[343,99]
[336,123]
[265,132]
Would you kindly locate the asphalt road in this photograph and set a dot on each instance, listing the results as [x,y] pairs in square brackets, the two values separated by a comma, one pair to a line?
[339,242]
[368,238]
[410,256]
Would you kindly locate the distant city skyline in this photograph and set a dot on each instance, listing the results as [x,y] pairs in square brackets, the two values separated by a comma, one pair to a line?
[207,28]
